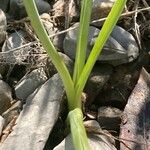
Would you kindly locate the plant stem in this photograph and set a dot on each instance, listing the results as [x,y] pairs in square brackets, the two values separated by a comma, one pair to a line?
[78,132]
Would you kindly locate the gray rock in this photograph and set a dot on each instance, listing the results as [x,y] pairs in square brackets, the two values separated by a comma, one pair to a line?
[29,83]
[5,96]
[38,117]
[15,40]
[109,118]
[3,26]
[96,142]
[99,76]
[91,123]
[116,51]
[17,10]
[2,121]
[127,41]
[4,4]
[102,8]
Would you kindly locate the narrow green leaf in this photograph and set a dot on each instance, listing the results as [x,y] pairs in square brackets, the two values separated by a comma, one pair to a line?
[50,49]
[82,38]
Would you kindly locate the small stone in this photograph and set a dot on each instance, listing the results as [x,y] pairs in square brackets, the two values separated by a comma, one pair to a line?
[14,40]
[101,9]
[3,26]
[5,96]
[3,69]
[68,62]
[17,10]
[98,78]
[109,118]
[91,124]
[2,121]
[127,41]
[29,83]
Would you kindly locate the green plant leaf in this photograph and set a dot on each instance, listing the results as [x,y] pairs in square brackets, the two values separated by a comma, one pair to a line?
[82,38]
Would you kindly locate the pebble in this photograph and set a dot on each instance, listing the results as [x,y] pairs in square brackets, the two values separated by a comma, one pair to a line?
[109,118]
[101,9]
[127,41]
[17,10]
[3,26]
[29,83]
[14,40]
[91,123]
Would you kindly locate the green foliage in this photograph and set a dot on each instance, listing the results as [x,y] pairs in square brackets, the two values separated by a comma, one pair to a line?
[74,86]
[82,38]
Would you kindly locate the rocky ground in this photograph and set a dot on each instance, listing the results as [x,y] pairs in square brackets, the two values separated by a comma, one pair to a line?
[116,102]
